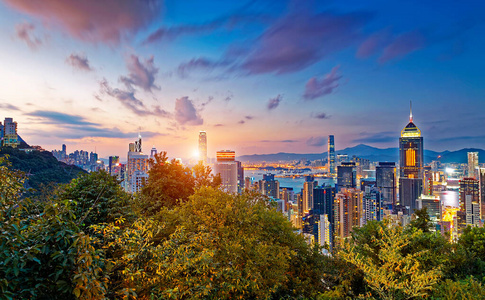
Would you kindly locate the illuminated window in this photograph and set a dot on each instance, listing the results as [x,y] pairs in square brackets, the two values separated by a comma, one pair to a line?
[410,158]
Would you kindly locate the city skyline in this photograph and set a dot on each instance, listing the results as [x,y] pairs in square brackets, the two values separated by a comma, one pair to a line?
[258,78]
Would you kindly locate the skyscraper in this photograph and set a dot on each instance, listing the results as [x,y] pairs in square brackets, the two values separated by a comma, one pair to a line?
[472,164]
[153,152]
[308,187]
[410,165]
[346,176]
[481,178]
[469,202]
[203,146]
[386,181]
[269,186]
[331,155]
[136,167]
[226,166]
[347,211]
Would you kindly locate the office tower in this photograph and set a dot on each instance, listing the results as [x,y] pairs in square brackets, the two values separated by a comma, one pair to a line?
[240,177]
[481,178]
[432,205]
[287,195]
[347,211]
[203,146]
[299,201]
[472,164]
[268,186]
[153,152]
[323,206]
[427,181]
[136,167]
[346,176]
[226,166]
[372,209]
[325,232]
[247,183]
[93,158]
[114,165]
[308,187]
[410,165]
[10,137]
[331,155]
[469,203]
[386,181]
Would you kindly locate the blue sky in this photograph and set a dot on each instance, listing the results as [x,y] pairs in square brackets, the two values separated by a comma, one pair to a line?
[258,76]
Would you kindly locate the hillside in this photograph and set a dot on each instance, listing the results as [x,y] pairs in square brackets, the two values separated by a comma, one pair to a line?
[41,167]
[367,152]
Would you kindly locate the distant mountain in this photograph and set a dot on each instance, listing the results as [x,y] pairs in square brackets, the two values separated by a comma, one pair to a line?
[366,152]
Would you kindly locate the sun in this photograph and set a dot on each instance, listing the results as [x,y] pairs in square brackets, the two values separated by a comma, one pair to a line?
[195,153]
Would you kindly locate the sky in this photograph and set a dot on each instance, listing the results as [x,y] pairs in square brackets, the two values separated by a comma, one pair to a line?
[257,76]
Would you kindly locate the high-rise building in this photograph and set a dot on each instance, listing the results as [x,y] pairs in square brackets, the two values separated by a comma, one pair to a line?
[153,152]
[240,177]
[308,187]
[114,166]
[386,181]
[203,146]
[136,167]
[481,178]
[226,166]
[346,176]
[331,155]
[323,205]
[372,209]
[10,137]
[472,164]
[347,211]
[410,164]
[269,186]
[469,202]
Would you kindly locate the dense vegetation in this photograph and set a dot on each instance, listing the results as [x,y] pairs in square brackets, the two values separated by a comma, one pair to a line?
[42,169]
[91,240]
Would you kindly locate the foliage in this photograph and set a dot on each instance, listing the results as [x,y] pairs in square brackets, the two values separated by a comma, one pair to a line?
[44,256]
[170,182]
[469,288]
[41,167]
[421,220]
[217,246]
[98,198]
[389,272]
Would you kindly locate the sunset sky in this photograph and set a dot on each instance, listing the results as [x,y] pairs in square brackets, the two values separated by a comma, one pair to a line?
[258,76]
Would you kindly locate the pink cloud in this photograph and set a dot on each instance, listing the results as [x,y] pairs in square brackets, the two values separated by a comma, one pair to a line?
[25,32]
[402,46]
[316,88]
[106,21]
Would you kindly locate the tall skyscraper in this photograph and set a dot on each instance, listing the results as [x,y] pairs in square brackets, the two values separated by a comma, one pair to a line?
[136,167]
[348,211]
[308,187]
[481,178]
[226,166]
[372,209]
[410,165]
[203,146]
[331,155]
[472,164]
[469,202]
[386,181]
[346,175]
[323,206]
[269,186]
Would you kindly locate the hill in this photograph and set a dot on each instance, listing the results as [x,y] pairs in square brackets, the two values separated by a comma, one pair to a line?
[367,152]
[41,167]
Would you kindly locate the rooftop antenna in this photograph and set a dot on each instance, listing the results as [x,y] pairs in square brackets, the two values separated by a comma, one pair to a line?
[410,111]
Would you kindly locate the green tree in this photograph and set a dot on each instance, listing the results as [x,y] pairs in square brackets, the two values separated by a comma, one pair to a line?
[421,220]
[466,289]
[98,198]
[388,272]
[216,246]
[44,255]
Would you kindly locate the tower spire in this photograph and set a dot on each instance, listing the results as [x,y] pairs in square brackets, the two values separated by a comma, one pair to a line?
[410,111]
